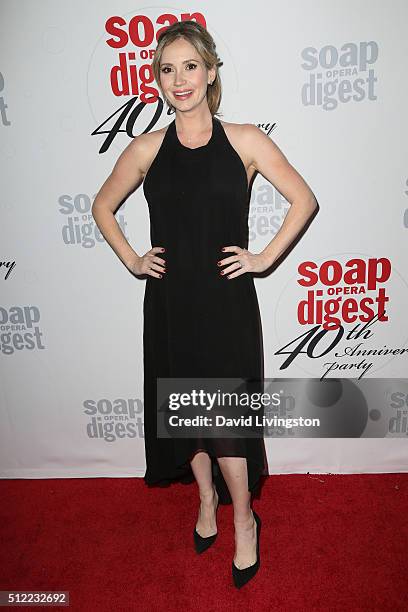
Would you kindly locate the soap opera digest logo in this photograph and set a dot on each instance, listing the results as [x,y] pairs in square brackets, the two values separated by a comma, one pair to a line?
[113,419]
[20,329]
[339,75]
[352,309]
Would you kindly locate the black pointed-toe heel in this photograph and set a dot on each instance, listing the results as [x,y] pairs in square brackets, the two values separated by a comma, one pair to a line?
[201,544]
[242,576]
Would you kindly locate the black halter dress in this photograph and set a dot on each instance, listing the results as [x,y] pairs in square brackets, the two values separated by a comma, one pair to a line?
[198,323]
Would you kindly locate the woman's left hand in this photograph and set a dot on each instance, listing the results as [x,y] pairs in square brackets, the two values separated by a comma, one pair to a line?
[242,261]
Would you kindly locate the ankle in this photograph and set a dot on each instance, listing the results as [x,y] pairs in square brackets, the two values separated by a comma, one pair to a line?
[244,521]
[208,496]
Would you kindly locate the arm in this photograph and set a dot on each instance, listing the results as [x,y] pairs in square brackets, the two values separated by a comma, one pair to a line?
[126,176]
[269,160]
[266,157]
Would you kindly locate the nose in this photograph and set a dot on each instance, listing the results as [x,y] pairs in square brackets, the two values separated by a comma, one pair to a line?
[179,78]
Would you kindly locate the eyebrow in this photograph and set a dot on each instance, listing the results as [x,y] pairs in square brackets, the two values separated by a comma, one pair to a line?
[193,59]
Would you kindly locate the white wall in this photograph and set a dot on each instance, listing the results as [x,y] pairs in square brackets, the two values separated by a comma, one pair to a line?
[72,311]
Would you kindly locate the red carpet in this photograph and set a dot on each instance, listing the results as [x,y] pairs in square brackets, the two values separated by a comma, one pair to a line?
[328,542]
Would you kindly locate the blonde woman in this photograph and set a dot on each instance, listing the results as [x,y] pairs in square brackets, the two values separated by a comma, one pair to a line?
[201,315]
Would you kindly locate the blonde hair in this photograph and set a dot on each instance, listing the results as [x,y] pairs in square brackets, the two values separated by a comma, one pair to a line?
[204,44]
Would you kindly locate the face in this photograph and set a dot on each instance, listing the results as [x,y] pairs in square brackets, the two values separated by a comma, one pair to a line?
[183,70]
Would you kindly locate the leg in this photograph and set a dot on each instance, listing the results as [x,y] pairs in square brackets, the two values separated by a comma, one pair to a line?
[234,470]
[201,466]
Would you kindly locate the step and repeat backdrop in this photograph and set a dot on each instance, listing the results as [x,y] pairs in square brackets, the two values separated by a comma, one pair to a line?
[325,81]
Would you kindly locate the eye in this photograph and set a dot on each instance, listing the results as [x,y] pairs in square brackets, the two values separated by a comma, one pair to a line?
[165,69]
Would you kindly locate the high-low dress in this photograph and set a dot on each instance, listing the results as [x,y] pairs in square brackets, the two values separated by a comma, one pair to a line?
[198,323]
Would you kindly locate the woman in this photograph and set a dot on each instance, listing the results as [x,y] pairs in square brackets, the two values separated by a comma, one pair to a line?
[201,315]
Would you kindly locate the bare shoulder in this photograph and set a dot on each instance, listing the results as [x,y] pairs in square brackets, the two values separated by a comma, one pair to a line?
[243,130]
[264,156]
[235,131]
[254,144]
[244,137]
[144,147]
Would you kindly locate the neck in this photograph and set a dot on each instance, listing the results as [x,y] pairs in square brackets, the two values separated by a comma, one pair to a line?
[191,125]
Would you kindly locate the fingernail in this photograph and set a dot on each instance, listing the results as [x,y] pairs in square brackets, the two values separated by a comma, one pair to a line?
[218,263]
[160,275]
[222,272]
[163,250]
[223,249]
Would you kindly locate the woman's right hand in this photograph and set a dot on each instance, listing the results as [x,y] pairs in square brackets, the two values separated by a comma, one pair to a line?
[149,263]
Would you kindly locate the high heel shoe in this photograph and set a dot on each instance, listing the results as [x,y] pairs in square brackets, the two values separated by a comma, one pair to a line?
[201,544]
[242,576]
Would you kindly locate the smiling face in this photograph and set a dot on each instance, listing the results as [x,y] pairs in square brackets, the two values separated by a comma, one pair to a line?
[183,70]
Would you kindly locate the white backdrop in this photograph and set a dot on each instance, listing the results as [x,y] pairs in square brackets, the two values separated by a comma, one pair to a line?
[327,75]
